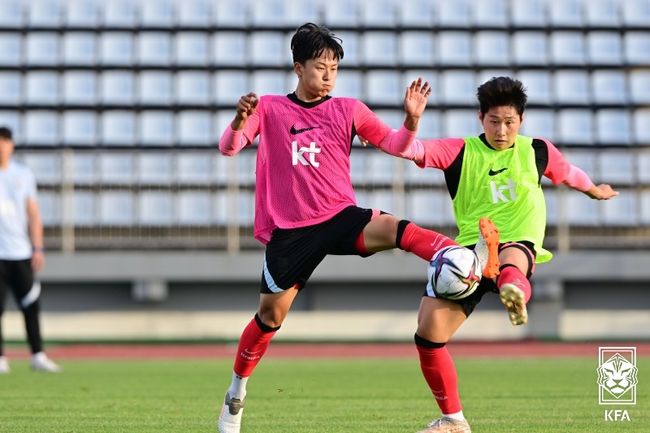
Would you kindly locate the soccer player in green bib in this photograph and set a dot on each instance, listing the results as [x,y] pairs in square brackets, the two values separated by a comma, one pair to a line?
[496,175]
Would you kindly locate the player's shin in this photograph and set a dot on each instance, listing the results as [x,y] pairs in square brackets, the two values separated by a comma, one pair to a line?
[440,374]
[421,242]
[511,274]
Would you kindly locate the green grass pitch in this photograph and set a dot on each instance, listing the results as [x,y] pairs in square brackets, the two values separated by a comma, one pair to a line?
[312,396]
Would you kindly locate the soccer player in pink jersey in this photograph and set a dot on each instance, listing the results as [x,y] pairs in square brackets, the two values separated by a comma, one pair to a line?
[305,207]
[496,174]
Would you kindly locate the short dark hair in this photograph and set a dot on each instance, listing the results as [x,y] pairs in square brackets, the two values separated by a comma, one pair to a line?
[310,40]
[5,133]
[502,91]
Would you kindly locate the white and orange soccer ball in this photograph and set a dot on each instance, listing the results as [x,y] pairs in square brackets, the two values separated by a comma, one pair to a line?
[454,273]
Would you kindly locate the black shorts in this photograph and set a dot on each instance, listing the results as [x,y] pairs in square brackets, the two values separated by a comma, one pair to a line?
[487,285]
[17,276]
[293,254]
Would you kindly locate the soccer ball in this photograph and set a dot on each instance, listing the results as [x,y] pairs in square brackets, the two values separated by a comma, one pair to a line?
[454,273]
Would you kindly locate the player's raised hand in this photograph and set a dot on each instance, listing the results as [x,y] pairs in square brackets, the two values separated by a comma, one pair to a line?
[602,192]
[416,96]
[246,106]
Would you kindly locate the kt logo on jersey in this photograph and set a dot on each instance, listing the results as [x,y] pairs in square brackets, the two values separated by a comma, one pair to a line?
[298,154]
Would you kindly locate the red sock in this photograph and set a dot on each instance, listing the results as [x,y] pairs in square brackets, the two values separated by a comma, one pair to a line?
[421,242]
[253,343]
[512,275]
[440,373]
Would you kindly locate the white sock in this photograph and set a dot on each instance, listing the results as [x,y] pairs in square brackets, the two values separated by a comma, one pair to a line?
[456,415]
[237,387]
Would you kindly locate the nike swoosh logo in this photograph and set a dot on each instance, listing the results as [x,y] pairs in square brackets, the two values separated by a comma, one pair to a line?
[294,131]
[495,172]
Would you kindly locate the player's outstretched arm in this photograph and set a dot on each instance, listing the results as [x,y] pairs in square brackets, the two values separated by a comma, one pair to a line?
[415,101]
[601,192]
[246,106]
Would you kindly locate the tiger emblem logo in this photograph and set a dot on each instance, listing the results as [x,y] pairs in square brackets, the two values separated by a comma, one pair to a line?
[617,375]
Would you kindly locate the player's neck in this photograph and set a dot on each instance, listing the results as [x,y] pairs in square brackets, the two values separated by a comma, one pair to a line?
[305,96]
[4,164]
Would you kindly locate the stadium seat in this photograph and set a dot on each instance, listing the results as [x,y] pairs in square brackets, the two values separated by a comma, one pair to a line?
[44,13]
[230,49]
[491,48]
[416,13]
[84,208]
[566,13]
[643,165]
[155,208]
[575,126]
[571,87]
[529,13]
[117,87]
[530,48]
[586,160]
[156,128]
[194,208]
[538,86]
[380,167]
[430,126]
[381,13]
[342,13]
[42,49]
[79,49]
[49,203]
[229,86]
[47,167]
[11,46]
[80,88]
[116,208]
[383,87]
[156,13]
[624,211]
[604,48]
[155,87]
[82,13]
[268,48]
[551,197]
[119,13]
[154,49]
[382,199]
[539,123]
[416,49]
[193,168]
[457,87]
[602,13]
[222,120]
[192,87]
[79,128]
[118,128]
[392,118]
[269,83]
[617,167]
[636,13]
[581,211]
[428,75]
[455,13]
[154,168]
[195,128]
[639,81]
[567,48]
[644,207]
[642,126]
[454,48]
[609,87]
[117,49]
[13,120]
[117,168]
[41,128]
[193,13]
[490,14]
[221,207]
[11,87]
[191,49]
[84,168]
[613,127]
[351,47]
[461,123]
[416,176]
[350,84]
[379,49]
[231,13]
[298,12]
[11,14]
[484,75]
[245,163]
[637,48]
[245,208]
[268,13]
[42,88]
[427,207]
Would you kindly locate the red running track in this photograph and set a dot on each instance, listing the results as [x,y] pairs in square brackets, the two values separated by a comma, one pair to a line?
[327,350]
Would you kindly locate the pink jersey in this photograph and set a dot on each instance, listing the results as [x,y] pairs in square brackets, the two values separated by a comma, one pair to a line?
[303,157]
